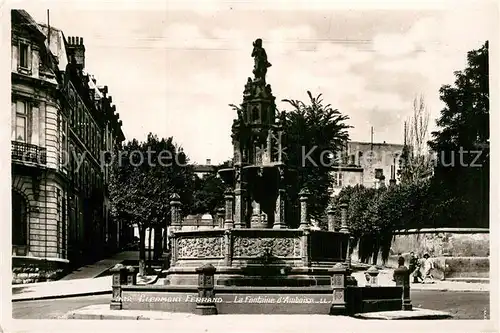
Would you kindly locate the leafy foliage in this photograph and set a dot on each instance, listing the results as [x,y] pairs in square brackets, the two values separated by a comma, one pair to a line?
[464,126]
[373,214]
[208,195]
[143,176]
[314,132]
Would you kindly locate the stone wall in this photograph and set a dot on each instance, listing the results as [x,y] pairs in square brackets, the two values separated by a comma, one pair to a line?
[456,252]
[449,242]
[451,267]
[44,216]
[32,269]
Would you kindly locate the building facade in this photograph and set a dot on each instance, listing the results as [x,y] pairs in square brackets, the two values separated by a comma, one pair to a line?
[368,164]
[202,169]
[61,124]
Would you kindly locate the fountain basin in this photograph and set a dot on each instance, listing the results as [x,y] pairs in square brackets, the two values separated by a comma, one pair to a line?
[257,257]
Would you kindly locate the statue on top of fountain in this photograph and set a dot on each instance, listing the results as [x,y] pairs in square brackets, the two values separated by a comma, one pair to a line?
[260,61]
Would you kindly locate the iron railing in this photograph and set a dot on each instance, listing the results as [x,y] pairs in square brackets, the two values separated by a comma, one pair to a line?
[26,152]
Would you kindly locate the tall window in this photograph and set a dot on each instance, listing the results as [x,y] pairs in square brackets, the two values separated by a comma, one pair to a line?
[21,121]
[59,215]
[80,120]
[337,179]
[92,140]
[64,142]
[19,220]
[63,225]
[360,158]
[86,130]
[74,114]
[24,58]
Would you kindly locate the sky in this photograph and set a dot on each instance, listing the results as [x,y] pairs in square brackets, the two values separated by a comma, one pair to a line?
[174,71]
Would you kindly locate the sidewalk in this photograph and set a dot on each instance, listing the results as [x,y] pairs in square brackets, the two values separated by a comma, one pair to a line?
[385,279]
[81,282]
[60,289]
[299,323]
[102,285]
[93,270]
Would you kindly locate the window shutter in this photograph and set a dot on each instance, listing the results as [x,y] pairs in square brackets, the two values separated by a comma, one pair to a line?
[29,123]
[13,121]
[14,58]
[30,58]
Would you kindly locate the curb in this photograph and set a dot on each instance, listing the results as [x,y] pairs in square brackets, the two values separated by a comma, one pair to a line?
[91,316]
[36,298]
[451,290]
[103,312]
[104,292]
[415,314]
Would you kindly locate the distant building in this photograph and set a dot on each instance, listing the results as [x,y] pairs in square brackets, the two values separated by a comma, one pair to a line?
[368,164]
[202,169]
[61,121]
[362,163]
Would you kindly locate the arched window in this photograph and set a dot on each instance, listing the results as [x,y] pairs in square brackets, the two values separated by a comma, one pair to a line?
[255,114]
[264,114]
[19,220]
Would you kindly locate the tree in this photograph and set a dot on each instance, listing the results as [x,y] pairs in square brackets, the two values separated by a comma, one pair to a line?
[416,161]
[462,144]
[374,214]
[142,178]
[208,195]
[314,134]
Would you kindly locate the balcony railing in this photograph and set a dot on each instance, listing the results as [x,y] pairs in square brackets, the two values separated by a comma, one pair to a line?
[26,152]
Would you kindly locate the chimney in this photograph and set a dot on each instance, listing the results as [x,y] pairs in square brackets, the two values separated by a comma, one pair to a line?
[209,161]
[77,49]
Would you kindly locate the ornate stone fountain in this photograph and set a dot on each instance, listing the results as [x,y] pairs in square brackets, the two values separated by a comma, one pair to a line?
[255,247]
[253,263]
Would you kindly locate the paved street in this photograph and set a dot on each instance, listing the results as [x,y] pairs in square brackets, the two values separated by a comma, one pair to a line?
[462,305]
[52,309]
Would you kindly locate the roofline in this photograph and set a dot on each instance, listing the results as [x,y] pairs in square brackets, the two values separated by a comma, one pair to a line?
[377,143]
[33,25]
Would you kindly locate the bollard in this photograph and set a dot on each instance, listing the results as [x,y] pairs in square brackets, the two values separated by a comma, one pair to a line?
[119,278]
[372,276]
[305,246]
[304,219]
[205,304]
[229,198]
[131,276]
[331,217]
[402,278]
[338,276]
[343,220]
[175,204]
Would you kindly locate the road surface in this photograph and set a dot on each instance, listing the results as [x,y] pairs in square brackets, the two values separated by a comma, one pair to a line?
[462,305]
